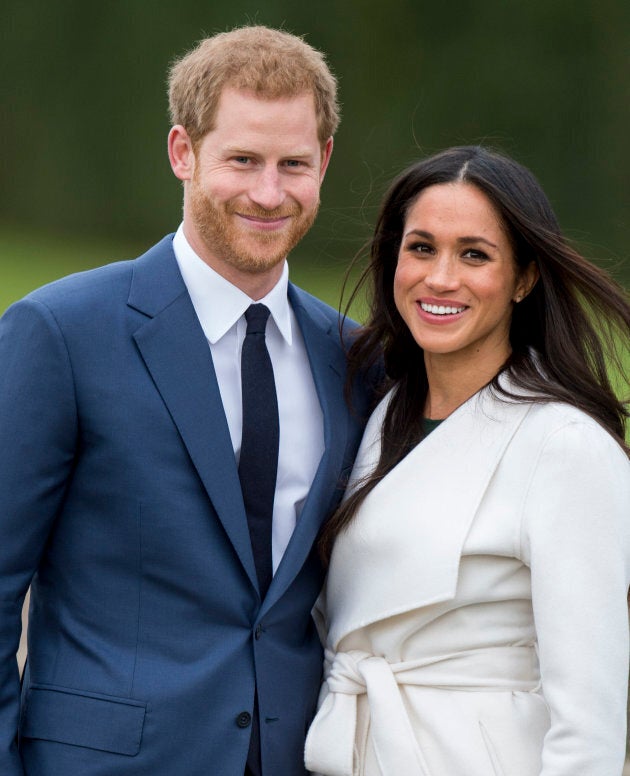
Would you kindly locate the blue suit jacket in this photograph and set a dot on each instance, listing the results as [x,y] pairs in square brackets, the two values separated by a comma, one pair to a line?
[120,502]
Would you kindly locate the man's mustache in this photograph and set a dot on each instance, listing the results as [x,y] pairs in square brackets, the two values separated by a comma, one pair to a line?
[260,212]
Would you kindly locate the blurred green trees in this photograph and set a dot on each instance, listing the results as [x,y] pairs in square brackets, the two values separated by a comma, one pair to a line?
[85,117]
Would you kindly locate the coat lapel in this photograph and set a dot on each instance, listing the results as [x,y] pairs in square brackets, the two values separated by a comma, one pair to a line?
[405,543]
[176,353]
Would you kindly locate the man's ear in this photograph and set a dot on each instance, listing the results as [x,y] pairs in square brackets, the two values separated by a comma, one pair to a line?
[326,152]
[180,153]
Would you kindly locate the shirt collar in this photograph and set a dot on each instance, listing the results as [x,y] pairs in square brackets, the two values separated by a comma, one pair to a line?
[218,303]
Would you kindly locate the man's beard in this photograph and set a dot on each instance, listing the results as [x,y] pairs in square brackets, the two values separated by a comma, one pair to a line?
[246,249]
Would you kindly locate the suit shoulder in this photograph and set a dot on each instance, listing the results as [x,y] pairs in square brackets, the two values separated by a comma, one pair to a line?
[102,285]
[312,303]
[319,309]
[83,287]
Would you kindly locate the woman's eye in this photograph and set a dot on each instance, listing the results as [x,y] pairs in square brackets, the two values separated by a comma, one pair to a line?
[419,247]
[471,253]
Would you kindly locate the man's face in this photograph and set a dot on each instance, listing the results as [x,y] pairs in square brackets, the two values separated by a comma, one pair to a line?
[253,192]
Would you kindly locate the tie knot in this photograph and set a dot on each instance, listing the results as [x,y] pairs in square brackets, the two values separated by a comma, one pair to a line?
[256,316]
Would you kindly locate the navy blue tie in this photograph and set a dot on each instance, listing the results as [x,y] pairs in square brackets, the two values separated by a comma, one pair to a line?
[258,463]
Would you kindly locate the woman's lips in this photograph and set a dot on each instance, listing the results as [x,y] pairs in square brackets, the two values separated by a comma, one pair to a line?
[440,310]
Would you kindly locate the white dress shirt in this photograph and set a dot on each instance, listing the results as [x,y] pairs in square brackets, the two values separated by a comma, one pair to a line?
[220,307]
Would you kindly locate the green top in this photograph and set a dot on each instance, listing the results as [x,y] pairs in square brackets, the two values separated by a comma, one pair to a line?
[430,424]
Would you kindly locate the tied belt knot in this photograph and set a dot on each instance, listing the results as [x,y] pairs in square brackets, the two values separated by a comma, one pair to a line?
[330,741]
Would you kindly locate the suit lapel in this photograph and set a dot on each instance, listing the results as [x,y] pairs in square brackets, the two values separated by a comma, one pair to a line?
[176,353]
[327,363]
[425,504]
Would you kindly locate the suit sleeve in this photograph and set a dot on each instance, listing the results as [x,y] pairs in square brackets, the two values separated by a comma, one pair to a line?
[38,430]
[577,541]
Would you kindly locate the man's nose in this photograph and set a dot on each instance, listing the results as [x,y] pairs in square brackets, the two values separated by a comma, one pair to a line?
[267,189]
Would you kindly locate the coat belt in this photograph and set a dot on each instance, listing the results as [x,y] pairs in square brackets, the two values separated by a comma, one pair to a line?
[331,738]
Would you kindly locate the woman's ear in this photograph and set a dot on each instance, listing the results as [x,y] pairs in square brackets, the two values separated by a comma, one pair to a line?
[529,277]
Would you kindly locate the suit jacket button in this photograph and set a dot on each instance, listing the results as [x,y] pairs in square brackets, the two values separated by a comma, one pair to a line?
[244,719]
[258,632]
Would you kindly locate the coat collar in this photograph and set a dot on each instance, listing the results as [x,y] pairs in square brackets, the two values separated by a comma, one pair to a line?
[425,504]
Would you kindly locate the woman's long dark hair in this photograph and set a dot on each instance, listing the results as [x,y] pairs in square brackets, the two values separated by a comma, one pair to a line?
[574,320]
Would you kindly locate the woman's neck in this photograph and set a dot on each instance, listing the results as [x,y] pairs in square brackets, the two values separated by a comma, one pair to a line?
[453,378]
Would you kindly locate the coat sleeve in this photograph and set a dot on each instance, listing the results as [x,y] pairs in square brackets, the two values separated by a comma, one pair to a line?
[576,539]
[38,430]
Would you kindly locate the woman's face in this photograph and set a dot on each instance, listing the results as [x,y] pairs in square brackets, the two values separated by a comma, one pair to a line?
[456,278]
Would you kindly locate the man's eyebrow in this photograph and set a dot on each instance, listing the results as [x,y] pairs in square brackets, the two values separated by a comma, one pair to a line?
[300,153]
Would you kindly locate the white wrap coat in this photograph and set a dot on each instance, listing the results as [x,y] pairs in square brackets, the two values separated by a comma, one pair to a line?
[475,614]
